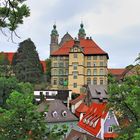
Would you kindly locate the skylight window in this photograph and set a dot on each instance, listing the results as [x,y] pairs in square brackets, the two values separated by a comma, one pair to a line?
[95,123]
[64,113]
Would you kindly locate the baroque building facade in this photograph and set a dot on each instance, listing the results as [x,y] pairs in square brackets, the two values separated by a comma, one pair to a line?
[77,62]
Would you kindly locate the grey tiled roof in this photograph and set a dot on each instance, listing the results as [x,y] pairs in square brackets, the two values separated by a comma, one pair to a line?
[98,91]
[58,107]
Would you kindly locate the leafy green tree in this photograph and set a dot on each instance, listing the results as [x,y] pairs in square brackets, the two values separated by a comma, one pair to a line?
[12,13]
[21,120]
[138,59]
[48,70]
[125,99]
[26,63]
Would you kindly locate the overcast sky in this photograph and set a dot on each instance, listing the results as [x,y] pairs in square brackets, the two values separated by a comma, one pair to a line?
[113,24]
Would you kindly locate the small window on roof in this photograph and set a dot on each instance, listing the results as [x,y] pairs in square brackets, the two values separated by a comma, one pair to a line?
[95,123]
[64,113]
[45,114]
[54,114]
[110,129]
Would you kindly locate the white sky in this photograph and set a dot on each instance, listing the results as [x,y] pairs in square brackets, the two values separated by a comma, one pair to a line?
[113,24]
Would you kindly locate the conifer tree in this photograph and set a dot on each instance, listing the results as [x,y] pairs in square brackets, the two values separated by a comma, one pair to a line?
[26,63]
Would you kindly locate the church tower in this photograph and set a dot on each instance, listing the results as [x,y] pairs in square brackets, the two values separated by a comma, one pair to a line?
[81,34]
[54,40]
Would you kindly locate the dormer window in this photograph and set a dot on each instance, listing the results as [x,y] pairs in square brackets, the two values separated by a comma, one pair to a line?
[95,123]
[45,114]
[64,114]
[54,114]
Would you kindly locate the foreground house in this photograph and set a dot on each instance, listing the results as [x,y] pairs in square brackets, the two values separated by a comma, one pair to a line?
[77,62]
[56,113]
[99,122]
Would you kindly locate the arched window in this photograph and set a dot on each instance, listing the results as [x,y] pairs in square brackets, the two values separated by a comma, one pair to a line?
[88,81]
[55,72]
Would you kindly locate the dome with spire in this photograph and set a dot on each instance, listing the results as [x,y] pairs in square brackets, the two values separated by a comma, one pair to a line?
[54,31]
[81,33]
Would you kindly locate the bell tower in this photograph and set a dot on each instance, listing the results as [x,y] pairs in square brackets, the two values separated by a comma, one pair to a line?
[54,40]
[81,34]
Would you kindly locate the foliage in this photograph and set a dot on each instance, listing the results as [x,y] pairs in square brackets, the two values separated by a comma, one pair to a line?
[12,13]
[125,99]
[21,120]
[7,85]
[26,63]
[48,70]
[5,68]
[138,59]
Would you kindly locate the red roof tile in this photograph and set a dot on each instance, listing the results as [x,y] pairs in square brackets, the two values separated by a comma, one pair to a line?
[93,117]
[89,46]
[116,71]
[82,108]
[10,56]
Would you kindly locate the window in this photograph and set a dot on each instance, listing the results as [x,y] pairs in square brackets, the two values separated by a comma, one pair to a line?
[75,66]
[94,64]
[94,57]
[88,57]
[75,74]
[88,72]
[61,64]
[64,114]
[61,72]
[75,55]
[67,64]
[88,64]
[55,72]
[55,82]
[94,71]
[54,114]
[101,81]
[55,64]
[67,72]
[110,129]
[101,57]
[101,72]
[88,81]
[75,85]
[94,81]
[61,81]
[101,64]
[45,114]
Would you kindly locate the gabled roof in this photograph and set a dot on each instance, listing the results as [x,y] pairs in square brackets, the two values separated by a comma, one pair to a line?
[115,71]
[82,108]
[88,45]
[98,91]
[58,107]
[91,121]
[76,100]
[76,135]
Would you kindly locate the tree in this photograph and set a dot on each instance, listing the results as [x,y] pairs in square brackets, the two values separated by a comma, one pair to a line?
[48,70]
[5,68]
[7,85]
[138,59]
[12,13]
[21,120]
[26,63]
[125,99]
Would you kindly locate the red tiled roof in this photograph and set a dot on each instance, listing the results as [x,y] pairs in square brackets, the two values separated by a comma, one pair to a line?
[82,108]
[89,46]
[76,100]
[110,135]
[44,65]
[10,58]
[116,71]
[93,117]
